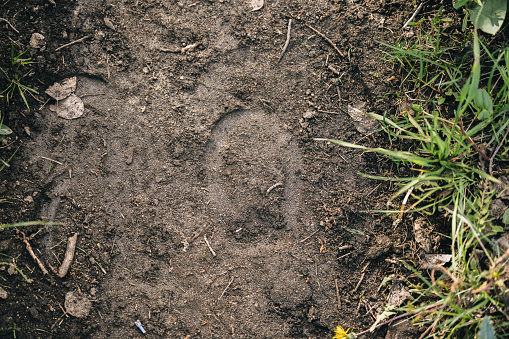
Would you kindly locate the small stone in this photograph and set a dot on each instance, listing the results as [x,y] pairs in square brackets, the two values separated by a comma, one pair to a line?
[77,304]
[29,199]
[383,244]
[34,313]
[110,24]
[308,114]
[37,40]
[99,35]
[11,270]
[93,291]
[3,293]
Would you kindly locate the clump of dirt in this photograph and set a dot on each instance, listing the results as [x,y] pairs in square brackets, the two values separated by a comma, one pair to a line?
[203,205]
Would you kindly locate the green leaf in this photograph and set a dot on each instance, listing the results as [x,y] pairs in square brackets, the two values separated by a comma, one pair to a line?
[505,217]
[483,101]
[490,16]
[441,100]
[486,331]
[4,130]
[461,3]
[416,108]
[484,114]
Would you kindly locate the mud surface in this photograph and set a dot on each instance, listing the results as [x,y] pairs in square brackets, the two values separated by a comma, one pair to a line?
[204,207]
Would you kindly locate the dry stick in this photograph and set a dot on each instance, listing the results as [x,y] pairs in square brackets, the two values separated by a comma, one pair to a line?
[288,34]
[309,236]
[72,43]
[344,255]
[362,278]
[58,162]
[325,37]
[405,26]
[8,23]
[32,254]
[208,245]
[430,328]
[496,151]
[273,186]
[470,140]
[224,291]
[69,255]
[337,293]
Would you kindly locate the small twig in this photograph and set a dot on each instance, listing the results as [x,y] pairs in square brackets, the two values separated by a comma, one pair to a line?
[369,309]
[208,245]
[405,26]
[58,162]
[335,71]
[485,157]
[359,283]
[309,236]
[69,255]
[273,186]
[40,108]
[8,23]
[328,112]
[374,189]
[32,254]
[224,291]
[344,255]
[288,34]
[345,247]
[72,42]
[362,278]
[430,328]
[337,293]
[325,37]
[496,151]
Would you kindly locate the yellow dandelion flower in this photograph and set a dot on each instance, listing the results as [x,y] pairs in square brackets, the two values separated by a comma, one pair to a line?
[340,333]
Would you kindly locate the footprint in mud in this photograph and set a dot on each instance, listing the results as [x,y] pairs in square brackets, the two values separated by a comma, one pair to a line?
[252,165]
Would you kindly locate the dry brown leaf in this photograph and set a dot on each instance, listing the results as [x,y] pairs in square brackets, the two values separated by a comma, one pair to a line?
[61,90]
[70,108]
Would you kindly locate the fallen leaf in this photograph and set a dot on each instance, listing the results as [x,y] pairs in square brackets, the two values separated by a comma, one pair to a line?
[431,260]
[70,108]
[422,234]
[61,90]
[363,123]
[256,5]
[399,293]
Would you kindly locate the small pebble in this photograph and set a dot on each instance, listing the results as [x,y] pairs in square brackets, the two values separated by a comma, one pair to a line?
[3,293]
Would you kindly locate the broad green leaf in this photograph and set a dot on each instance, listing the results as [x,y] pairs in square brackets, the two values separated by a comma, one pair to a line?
[483,101]
[486,331]
[461,3]
[490,16]
[484,114]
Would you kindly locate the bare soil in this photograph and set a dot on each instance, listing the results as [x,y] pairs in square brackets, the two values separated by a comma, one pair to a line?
[193,132]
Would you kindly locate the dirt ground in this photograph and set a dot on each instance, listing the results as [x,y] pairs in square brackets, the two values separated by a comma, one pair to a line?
[192,177]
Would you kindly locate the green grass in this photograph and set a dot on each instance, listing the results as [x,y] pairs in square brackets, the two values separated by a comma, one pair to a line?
[459,150]
[13,75]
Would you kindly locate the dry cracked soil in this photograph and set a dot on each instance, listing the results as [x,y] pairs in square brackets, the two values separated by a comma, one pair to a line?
[203,206]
